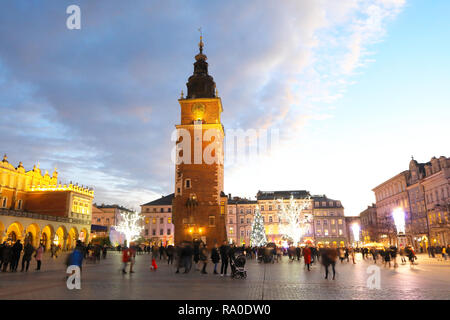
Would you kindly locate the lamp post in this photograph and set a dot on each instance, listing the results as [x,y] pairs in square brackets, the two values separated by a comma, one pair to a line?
[399,220]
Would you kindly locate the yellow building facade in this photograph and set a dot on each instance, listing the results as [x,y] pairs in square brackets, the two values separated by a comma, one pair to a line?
[35,208]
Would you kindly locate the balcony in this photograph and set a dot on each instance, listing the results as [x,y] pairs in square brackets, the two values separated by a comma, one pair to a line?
[38,216]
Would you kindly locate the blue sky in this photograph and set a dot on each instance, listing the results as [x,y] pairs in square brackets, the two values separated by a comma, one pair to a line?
[356,88]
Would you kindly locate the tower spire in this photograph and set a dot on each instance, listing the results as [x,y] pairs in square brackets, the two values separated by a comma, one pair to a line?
[200,44]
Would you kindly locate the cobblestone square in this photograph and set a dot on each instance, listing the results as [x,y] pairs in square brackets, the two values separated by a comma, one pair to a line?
[430,279]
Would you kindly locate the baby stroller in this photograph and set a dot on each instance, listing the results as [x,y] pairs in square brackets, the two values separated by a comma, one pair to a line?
[237,267]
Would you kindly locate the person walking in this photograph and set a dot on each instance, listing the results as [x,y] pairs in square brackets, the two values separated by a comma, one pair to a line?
[6,256]
[196,254]
[329,257]
[125,259]
[224,248]
[38,256]
[26,258]
[170,252]
[307,256]
[204,257]
[215,257]
[104,251]
[132,250]
[387,257]
[351,253]
[77,256]
[341,251]
[16,250]
[187,257]
[394,255]
[179,257]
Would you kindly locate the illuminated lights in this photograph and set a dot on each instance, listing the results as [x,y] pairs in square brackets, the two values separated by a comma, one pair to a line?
[129,225]
[356,229]
[399,220]
[292,223]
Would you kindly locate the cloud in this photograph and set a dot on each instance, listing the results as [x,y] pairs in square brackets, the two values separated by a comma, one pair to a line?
[100,103]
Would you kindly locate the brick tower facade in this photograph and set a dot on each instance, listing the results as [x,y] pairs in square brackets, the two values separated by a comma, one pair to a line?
[199,204]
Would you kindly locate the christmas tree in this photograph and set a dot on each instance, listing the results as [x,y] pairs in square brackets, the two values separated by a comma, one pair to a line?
[258,236]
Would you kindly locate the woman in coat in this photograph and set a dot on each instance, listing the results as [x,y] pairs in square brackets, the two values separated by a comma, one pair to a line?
[215,257]
[307,257]
[38,256]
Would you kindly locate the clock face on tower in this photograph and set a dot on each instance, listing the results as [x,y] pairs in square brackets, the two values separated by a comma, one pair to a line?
[198,111]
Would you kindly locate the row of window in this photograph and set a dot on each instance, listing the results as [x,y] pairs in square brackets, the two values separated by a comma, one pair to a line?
[390,191]
[4,203]
[158,210]
[161,220]
[325,232]
[325,222]
[161,232]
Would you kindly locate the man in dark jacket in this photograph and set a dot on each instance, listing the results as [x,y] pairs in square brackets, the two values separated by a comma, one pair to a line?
[27,253]
[16,250]
[224,248]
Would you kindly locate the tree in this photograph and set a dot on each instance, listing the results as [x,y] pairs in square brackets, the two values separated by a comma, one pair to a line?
[129,225]
[258,237]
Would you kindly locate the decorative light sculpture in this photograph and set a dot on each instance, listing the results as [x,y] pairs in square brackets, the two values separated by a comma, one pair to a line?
[129,225]
[292,223]
[399,220]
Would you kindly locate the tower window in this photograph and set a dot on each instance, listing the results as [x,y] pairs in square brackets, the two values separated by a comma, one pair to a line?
[178,190]
[187,183]
[212,221]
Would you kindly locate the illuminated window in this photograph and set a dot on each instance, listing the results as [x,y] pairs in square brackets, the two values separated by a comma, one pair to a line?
[231,230]
[147,220]
[340,232]
[154,221]
[326,232]
[340,221]
[332,221]
[169,220]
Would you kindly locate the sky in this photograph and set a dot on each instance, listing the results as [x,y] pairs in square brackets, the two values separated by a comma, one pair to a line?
[354,88]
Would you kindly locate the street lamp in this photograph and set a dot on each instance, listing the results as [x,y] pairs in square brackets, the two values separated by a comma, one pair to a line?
[399,221]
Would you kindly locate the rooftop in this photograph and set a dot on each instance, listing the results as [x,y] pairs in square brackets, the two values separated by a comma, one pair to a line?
[163,201]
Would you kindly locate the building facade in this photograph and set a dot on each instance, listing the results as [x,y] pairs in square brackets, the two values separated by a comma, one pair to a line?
[239,220]
[106,216]
[158,225]
[423,192]
[199,204]
[323,218]
[369,224]
[34,207]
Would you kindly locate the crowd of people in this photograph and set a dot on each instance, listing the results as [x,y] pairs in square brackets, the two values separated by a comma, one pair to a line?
[10,254]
